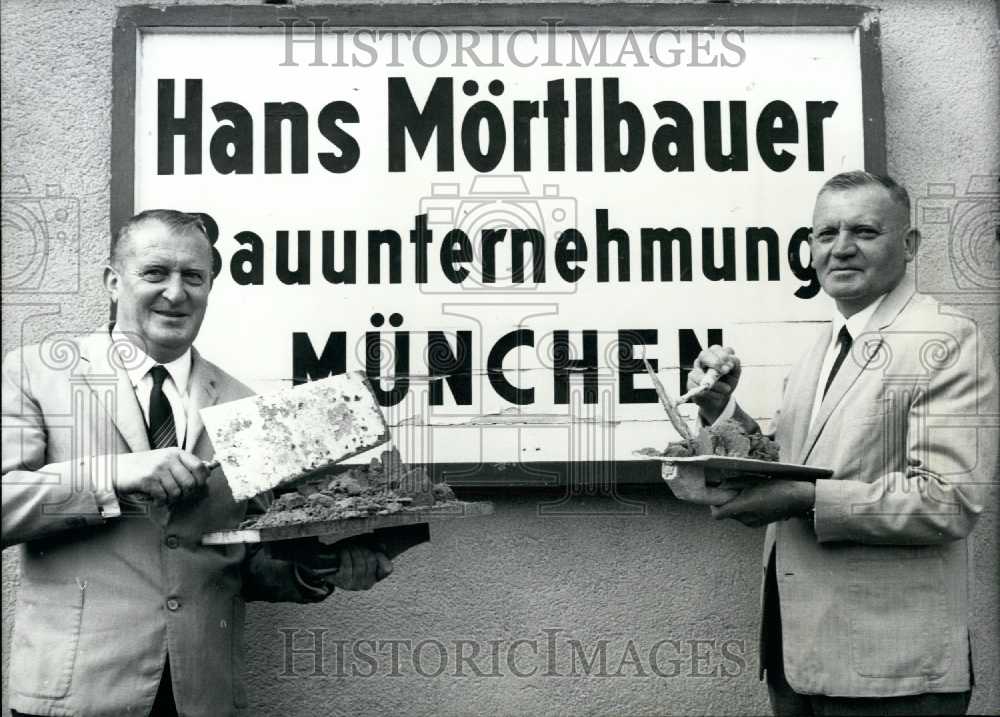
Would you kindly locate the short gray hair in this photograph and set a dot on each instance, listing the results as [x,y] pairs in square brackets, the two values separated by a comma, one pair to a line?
[861,178]
[172,219]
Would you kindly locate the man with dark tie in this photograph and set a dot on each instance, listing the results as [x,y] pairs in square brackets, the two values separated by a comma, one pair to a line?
[865,597]
[107,488]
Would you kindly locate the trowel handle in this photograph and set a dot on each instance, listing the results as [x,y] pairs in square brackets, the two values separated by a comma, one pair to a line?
[711,376]
[707,381]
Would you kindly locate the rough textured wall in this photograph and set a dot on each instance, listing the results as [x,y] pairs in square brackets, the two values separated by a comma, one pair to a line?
[668,574]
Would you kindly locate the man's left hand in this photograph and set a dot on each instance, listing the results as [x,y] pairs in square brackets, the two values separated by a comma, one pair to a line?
[767,502]
[349,565]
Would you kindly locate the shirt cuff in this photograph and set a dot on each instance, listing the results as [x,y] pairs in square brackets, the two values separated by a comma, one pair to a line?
[107,504]
[728,412]
[309,586]
[832,512]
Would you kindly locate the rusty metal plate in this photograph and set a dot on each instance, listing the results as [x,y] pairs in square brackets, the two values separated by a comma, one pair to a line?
[263,441]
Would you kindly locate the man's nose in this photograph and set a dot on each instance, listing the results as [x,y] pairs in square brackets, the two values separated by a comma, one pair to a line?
[174,290]
[844,244]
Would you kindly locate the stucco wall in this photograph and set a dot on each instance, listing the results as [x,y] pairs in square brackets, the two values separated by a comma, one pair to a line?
[602,574]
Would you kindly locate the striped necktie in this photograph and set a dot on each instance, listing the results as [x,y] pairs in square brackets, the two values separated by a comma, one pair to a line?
[162,433]
[844,340]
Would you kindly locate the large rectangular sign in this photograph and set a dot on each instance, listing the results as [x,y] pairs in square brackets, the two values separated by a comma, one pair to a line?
[497,221]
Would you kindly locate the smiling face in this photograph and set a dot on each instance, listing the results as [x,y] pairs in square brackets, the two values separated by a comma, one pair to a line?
[861,243]
[160,283]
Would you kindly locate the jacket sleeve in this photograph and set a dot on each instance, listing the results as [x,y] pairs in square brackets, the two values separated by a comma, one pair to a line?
[270,579]
[39,498]
[949,434]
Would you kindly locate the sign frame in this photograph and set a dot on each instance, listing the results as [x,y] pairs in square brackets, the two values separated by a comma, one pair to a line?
[132,21]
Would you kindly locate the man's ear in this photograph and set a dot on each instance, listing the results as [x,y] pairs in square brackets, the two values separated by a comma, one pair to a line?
[911,242]
[111,282]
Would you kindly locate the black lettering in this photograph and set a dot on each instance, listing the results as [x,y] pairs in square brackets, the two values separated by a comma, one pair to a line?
[275,114]
[376,239]
[231,148]
[615,113]
[571,247]
[665,239]
[490,239]
[556,109]
[629,366]
[496,136]
[420,237]
[306,366]
[802,272]
[187,126]
[816,112]
[347,275]
[584,127]
[329,121]
[727,272]
[756,235]
[564,367]
[401,370]
[445,365]
[604,237]
[518,238]
[524,112]
[212,230]
[456,249]
[777,125]
[405,118]
[494,367]
[247,265]
[673,144]
[736,160]
[285,274]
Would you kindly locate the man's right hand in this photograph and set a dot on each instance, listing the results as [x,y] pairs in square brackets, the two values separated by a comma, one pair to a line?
[712,402]
[162,476]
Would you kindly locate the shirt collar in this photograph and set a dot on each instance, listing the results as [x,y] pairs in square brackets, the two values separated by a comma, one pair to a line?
[856,324]
[139,365]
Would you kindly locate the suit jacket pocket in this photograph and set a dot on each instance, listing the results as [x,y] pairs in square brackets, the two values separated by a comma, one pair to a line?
[899,618]
[46,635]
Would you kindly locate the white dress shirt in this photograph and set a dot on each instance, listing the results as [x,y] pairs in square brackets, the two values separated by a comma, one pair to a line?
[175,387]
[855,326]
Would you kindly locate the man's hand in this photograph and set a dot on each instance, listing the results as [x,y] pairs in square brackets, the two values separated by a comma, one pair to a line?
[724,360]
[768,501]
[349,565]
[165,475]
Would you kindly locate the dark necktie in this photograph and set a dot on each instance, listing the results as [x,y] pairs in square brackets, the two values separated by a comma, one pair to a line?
[844,340]
[162,433]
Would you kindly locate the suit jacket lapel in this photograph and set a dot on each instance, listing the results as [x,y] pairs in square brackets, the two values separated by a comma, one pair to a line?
[864,349]
[202,392]
[805,392]
[102,370]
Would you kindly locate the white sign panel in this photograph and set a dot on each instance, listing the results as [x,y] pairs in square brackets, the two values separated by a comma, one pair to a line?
[496,224]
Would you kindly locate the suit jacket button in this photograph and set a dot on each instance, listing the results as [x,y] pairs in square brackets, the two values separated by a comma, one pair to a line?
[172,541]
[173,604]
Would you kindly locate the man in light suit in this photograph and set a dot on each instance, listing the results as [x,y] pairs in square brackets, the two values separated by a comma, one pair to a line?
[120,609]
[865,595]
